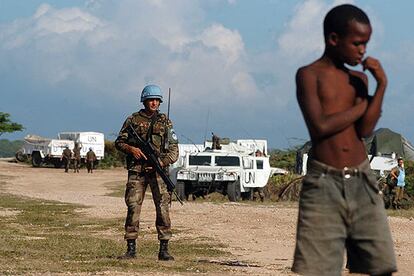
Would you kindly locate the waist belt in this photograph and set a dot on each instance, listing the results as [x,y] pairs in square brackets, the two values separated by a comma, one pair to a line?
[346,172]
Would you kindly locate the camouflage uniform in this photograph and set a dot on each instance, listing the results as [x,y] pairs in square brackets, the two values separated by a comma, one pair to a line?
[66,156]
[140,175]
[90,159]
[258,193]
[76,159]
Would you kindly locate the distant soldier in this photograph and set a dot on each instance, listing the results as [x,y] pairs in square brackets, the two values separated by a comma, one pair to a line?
[76,158]
[156,128]
[90,160]
[66,156]
[215,142]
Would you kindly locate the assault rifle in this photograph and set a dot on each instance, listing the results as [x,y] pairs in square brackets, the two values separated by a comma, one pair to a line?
[152,158]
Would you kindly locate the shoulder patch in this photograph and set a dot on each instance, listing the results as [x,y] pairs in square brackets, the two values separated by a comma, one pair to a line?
[173,135]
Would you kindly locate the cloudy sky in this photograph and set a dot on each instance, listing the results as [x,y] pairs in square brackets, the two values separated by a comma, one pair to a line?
[80,65]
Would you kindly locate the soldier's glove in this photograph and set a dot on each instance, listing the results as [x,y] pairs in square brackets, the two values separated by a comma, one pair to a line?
[136,152]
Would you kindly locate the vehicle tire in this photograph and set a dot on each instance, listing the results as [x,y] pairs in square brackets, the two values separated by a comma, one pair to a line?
[233,191]
[20,156]
[36,159]
[180,188]
[57,164]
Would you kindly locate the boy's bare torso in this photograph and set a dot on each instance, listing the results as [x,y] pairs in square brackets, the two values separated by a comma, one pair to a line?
[338,90]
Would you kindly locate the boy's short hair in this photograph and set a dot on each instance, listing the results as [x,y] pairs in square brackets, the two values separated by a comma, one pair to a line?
[337,19]
[400,159]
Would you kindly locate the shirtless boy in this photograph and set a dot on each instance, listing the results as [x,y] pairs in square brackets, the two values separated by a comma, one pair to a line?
[340,207]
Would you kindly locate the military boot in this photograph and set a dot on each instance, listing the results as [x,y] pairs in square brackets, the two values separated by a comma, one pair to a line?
[163,255]
[131,250]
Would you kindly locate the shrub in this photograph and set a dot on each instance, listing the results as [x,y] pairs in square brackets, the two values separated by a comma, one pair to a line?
[276,183]
[409,177]
[285,159]
[113,157]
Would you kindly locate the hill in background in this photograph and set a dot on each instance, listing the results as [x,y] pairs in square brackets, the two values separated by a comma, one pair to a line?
[9,148]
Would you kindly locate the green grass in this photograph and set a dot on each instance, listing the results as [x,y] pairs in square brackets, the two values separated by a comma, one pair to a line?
[404,213]
[38,236]
[117,188]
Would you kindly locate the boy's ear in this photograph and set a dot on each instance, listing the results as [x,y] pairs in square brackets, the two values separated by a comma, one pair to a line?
[333,39]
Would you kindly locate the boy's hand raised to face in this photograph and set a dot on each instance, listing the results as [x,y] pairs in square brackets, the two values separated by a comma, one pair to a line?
[374,66]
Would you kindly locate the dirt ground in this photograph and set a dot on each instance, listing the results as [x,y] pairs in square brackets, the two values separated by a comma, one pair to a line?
[260,234]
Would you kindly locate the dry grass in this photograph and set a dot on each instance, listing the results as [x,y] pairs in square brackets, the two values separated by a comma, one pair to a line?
[51,237]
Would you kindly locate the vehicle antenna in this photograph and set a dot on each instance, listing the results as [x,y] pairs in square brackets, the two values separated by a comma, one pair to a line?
[166,144]
[205,131]
[191,141]
[169,101]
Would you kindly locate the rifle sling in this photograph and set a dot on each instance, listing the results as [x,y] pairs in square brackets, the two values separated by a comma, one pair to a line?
[151,128]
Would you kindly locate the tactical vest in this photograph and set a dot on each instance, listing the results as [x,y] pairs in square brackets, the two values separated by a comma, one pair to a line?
[157,134]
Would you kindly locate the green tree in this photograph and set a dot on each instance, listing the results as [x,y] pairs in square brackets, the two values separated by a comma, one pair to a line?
[8,126]
[409,177]
[113,157]
[285,159]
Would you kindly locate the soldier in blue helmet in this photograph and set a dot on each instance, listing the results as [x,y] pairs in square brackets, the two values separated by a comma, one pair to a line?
[156,128]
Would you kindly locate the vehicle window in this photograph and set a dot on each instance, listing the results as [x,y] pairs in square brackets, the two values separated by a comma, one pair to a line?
[196,160]
[247,164]
[259,164]
[227,161]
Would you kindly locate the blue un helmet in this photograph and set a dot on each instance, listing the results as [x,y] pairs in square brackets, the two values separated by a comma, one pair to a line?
[151,92]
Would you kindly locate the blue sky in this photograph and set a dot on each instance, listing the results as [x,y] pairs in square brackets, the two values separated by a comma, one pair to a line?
[80,65]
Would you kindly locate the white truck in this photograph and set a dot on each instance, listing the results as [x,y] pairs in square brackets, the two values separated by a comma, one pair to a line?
[87,140]
[234,170]
[43,150]
[380,164]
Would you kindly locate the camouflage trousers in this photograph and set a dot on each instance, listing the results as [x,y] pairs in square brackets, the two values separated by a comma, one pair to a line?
[258,193]
[66,164]
[134,196]
[89,165]
[76,164]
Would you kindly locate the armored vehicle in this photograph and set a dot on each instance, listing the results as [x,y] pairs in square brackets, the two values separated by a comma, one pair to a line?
[234,170]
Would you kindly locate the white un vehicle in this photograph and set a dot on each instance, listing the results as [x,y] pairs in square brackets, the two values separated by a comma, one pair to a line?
[49,151]
[235,170]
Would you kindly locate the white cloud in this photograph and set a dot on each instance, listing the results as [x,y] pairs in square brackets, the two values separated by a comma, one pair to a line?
[42,10]
[49,20]
[229,42]
[300,43]
[106,51]
[53,30]
[244,84]
[303,35]
[138,42]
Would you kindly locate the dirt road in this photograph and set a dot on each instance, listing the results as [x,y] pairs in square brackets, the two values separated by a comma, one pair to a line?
[262,234]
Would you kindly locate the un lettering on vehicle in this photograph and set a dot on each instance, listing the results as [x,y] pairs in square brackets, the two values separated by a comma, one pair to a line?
[249,177]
